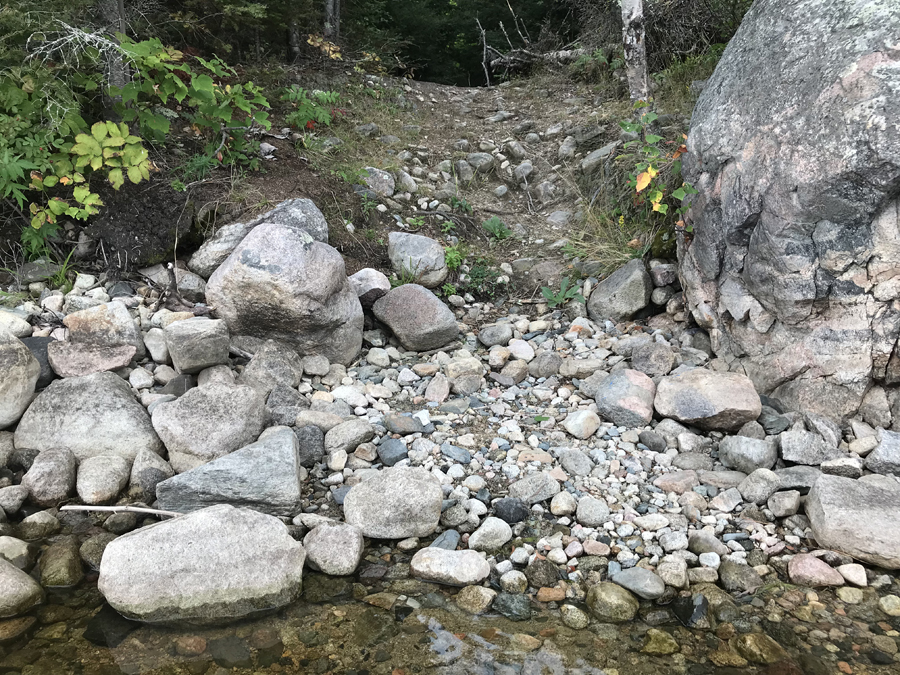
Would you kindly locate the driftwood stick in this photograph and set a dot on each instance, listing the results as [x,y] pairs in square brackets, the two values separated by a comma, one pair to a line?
[117,509]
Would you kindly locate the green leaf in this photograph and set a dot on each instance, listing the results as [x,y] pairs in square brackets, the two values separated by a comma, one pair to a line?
[50,181]
[652,138]
[679,194]
[204,88]
[96,163]
[98,131]
[112,141]
[57,206]
[134,174]
[80,193]
[115,178]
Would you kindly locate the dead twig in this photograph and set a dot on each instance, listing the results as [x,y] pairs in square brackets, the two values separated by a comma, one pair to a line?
[119,509]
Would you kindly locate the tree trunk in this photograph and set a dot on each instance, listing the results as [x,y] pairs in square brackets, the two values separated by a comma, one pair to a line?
[332,19]
[113,12]
[635,50]
[294,40]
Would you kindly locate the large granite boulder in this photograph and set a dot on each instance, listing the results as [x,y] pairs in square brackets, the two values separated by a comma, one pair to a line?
[281,284]
[20,375]
[90,415]
[265,476]
[794,148]
[213,566]
[856,517]
[301,215]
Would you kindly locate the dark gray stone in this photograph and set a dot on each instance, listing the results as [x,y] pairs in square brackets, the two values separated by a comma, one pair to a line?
[311,445]
[264,476]
[392,451]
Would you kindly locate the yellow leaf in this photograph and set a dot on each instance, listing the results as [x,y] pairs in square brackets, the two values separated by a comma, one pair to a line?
[653,172]
[643,180]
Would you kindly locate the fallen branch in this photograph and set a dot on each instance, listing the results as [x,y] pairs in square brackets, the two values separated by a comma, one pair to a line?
[522,60]
[119,509]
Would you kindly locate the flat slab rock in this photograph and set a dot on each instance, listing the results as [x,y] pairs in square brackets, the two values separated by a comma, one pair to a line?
[265,475]
[209,567]
[708,399]
[856,517]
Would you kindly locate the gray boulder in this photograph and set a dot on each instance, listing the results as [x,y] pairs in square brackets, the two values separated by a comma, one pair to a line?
[20,375]
[417,317]
[859,518]
[642,582]
[399,502]
[792,264]
[265,476]
[380,182]
[747,454]
[51,477]
[885,458]
[216,249]
[195,344]
[622,294]
[147,471]
[759,486]
[74,359]
[106,325]
[238,563]
[91,415]
[708,399]
[804,447]
[189,285]
[422,258]
[280,284]
[334,548]
[209,422]
[101,479]
[625,398]
[369,285]
[273,364]
[18,591]
[654,359]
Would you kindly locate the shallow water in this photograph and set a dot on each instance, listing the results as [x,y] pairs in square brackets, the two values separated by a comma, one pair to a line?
[380,621]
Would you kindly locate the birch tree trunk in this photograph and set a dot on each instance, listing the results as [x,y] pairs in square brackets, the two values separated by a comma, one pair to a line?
[635,50]
[332,19]
[113,12]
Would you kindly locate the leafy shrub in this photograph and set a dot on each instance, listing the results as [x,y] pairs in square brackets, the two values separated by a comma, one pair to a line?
[654,166]
[223,113]
[309,107]
[453,257]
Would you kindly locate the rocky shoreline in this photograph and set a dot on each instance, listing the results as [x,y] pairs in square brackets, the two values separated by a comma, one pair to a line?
[593,470]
